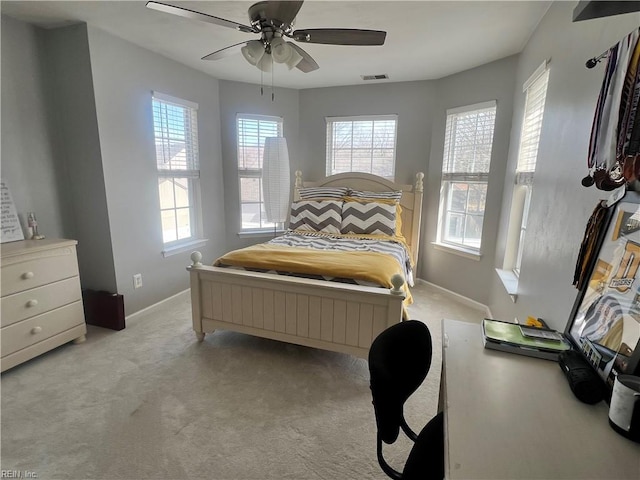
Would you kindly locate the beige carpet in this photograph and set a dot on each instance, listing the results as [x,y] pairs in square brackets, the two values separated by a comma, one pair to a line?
[150,402]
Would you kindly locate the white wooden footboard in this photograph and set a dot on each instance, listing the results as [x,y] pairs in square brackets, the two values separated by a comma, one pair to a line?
[315,313]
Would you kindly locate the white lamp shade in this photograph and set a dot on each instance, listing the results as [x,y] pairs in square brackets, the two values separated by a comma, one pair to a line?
[253,51]
[275,179]
[265,63]
[280,50]
[294,59]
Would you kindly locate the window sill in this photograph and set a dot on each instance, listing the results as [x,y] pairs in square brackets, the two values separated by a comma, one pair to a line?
[463,252]
[184,247]
[510,282]
[259,233]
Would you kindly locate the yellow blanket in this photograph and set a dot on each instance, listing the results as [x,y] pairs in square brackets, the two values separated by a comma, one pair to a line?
[369,266]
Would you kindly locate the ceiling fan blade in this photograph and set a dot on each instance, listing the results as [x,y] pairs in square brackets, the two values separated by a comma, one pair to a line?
[307,64]
[340,36]
[284,11]
[225,52]
[192,14]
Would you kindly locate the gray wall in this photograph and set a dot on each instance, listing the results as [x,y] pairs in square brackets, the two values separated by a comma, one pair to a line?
[124,77]
[421,109]
[237,98]
[411,101]
[69,89]
[560,205]
[50,147]
[494,81]
[28,161]
[78,149]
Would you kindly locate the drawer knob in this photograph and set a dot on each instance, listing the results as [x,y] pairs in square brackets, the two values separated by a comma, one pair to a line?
[27,275]
[32,303]
[36,330]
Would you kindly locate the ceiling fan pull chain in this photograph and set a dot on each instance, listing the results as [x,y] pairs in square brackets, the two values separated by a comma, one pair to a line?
[272,92]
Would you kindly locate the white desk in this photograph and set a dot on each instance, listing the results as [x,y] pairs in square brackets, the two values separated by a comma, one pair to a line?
[509,416]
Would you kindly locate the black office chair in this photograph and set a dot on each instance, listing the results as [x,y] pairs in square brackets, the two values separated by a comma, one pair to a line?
[399,360]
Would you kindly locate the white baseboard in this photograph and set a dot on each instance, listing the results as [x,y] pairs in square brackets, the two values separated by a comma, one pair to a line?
[460,298]
[155,305]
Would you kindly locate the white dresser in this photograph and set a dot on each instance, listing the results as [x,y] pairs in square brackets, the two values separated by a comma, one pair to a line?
[41,302]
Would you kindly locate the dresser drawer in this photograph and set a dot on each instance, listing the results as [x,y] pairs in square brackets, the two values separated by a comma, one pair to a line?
[40,269]
[36,329]
[35,301]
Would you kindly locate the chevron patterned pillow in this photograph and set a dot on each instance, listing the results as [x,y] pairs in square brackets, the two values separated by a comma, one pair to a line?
[316,216]
[368,217]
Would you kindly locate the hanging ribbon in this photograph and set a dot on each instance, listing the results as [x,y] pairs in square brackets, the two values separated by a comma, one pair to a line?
[589,244]
[628,144]
[615,119]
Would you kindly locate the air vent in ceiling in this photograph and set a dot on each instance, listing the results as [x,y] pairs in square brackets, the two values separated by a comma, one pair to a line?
[382,76]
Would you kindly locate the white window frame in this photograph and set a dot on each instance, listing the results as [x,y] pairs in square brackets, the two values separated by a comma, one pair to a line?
[365,152]
[536,93]
[255,173]
[190,172]
[535,90]
[526,204]
[471,178]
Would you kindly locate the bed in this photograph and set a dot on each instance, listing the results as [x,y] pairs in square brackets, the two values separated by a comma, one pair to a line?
[329,315]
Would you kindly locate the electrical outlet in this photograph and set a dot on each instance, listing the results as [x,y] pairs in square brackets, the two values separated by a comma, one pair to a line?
[137,280]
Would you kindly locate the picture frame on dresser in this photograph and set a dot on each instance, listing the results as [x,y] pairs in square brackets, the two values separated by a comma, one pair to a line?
[11,230]
[605,320]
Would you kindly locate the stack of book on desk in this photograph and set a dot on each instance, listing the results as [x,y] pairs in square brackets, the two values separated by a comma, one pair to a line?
[515,338]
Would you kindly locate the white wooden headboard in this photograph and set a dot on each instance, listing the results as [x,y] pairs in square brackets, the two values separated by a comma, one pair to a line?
[411,200]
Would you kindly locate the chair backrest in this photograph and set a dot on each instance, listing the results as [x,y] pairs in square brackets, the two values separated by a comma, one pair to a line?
[399,360]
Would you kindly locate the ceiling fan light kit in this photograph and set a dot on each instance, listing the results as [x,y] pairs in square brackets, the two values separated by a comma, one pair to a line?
[253,51]
[294,59]
[266,63]
[282,52]
[274,20]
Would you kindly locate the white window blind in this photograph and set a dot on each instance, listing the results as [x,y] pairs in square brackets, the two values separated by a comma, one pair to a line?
[362,144]
[468,142]
[176,133]
[252,130]
[536,92]
[465,174]
[175,126]
[251,133]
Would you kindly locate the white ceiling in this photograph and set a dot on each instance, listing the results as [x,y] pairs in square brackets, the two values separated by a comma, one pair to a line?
[425,39]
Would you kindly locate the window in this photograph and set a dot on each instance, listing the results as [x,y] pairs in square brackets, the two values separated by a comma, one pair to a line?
[252,130]
[535,89]
[175,125]
[465,174]
[362,144]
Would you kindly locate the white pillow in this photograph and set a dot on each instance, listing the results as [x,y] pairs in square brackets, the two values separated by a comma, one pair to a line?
[393,194]
[307,193]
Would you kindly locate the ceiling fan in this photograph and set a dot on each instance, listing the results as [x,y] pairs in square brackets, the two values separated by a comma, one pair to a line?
[273,20]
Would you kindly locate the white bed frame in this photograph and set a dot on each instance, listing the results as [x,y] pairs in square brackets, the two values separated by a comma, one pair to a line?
[315,313]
